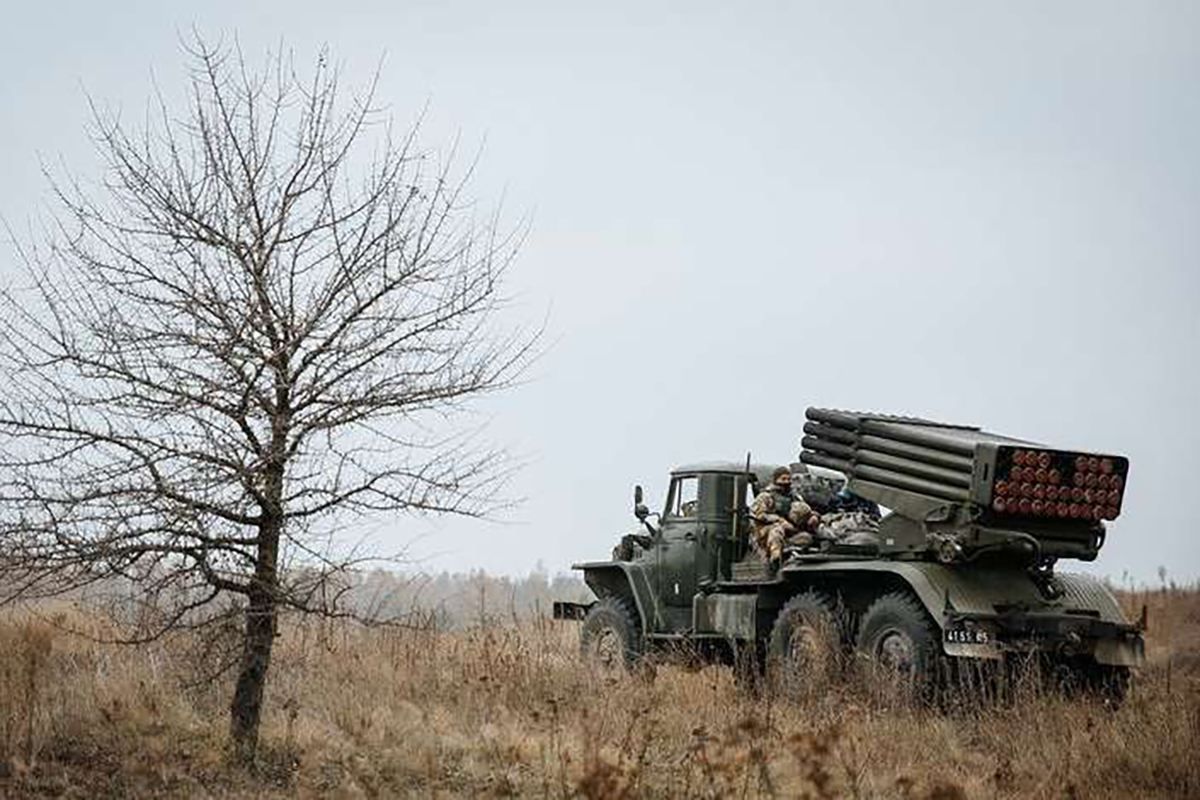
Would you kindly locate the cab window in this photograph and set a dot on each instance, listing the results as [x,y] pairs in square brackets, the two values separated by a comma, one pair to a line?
[684,494]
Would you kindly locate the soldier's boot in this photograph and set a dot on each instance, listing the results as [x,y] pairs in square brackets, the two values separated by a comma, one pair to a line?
[775,554]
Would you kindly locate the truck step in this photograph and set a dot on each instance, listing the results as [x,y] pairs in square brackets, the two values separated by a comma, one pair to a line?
[750,570]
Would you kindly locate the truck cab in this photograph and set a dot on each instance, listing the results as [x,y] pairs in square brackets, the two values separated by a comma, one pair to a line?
[703,529]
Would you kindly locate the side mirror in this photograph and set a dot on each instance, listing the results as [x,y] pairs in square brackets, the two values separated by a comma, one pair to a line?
[639,508]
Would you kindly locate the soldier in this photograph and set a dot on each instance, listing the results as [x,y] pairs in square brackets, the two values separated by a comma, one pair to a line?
[777,515]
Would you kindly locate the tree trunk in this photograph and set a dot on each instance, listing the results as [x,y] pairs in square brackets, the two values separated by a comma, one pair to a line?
[259,638]
[246,710]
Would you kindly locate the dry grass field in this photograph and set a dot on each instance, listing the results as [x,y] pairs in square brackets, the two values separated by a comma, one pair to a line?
[498,711]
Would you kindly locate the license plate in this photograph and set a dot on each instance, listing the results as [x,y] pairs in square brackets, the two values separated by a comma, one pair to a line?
[967,636]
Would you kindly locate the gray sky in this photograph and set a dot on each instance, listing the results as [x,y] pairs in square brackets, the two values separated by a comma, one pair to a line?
[986,213]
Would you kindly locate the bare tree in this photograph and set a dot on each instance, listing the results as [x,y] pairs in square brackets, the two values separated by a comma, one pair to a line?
[260,320]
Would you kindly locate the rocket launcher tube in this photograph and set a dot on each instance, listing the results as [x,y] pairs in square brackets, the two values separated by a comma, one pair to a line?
[829,416]
[829,462]
[841,451]
[910,483]
[915,435]
[917,469]
[830,432]
[910,467]
[886,477]
[916,452]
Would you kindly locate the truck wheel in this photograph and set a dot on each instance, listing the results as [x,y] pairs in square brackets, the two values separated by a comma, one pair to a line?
[804,649]
[610,638]
[897,639]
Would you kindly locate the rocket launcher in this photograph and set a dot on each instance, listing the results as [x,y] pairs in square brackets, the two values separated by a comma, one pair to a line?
[982,480]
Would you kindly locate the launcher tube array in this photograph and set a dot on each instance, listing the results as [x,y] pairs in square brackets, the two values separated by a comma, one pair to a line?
[1006,476]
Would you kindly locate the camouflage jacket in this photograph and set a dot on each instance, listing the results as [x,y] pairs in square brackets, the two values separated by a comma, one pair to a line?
[771,506]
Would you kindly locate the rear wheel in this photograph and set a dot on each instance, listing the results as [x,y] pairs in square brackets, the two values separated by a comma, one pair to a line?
[1083,677]
[899,643]
[1110,684]
[611,639]
[804,651]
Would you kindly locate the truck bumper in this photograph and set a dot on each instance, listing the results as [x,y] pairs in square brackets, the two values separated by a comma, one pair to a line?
[567,610]
[1062,635]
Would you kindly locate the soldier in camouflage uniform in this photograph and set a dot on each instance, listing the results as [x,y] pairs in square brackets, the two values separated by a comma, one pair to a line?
[780,518]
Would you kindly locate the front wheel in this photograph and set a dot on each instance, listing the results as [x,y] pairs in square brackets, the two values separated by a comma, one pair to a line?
[611,639]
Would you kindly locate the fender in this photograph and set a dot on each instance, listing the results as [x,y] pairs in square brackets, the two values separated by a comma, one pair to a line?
[978,591]
[1085,591]
[1083,609]
[937,587]
[625,577]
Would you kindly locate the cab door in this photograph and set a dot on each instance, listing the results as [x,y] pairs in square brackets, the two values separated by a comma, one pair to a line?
[679,542]
[721,515]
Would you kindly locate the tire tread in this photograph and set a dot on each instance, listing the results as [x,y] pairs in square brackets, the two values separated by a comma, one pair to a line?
[811,602]
[622,613]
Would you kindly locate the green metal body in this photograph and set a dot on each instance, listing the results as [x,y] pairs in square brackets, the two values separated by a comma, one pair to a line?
[969,571]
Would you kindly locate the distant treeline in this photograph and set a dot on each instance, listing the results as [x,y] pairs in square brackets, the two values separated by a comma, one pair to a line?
[455,600]
[441,601]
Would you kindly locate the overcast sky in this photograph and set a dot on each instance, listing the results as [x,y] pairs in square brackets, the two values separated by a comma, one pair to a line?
[987,213]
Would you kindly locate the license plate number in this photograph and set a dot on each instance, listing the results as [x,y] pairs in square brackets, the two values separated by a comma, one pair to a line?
[967,636]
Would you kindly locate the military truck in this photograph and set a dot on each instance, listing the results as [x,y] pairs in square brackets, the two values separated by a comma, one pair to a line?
[959,572]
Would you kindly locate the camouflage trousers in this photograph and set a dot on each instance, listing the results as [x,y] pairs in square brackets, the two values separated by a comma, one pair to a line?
[769,540]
